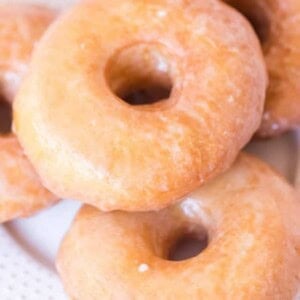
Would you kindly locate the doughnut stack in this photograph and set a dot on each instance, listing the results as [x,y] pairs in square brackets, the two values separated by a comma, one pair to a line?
[21,191]
[140,110]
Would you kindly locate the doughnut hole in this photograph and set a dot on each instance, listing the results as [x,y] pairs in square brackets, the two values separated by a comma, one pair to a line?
[5,117]
[257,15]
[188,244]
[140,75]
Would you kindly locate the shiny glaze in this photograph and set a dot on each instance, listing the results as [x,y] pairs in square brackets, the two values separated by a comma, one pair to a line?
[113,155]
[251,217]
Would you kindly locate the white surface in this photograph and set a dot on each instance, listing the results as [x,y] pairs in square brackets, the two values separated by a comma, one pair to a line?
[28,246]
[22,276]
[41,234]
[281,153]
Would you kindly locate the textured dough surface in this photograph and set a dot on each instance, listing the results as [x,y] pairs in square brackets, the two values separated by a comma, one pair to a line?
[251,216]
[280,23]
[21,26]
[21,192]
[87,144]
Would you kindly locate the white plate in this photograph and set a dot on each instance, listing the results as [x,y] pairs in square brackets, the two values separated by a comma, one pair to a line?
[28,246]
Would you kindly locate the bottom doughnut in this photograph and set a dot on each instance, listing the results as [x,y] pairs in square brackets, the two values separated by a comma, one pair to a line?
[249,217]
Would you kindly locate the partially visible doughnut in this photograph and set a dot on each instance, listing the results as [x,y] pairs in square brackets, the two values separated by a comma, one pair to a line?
[277,23]
[21,191]
[87,143]
[249,218]
[21,26]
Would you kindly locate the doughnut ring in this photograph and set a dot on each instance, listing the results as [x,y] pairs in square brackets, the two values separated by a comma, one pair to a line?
[278,26]
[21,192]
[106,146]
[249,218]
[21,26]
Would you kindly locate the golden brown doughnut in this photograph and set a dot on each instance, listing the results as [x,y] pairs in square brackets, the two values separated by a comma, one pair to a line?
[88,144]
[21,26]
[249,216]
[21,192]
[277,22]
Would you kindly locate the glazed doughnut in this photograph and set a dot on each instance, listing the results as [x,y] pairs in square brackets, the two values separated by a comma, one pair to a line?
[80,115]
[21,26]
[249,217]
[21,192]
[277,23]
